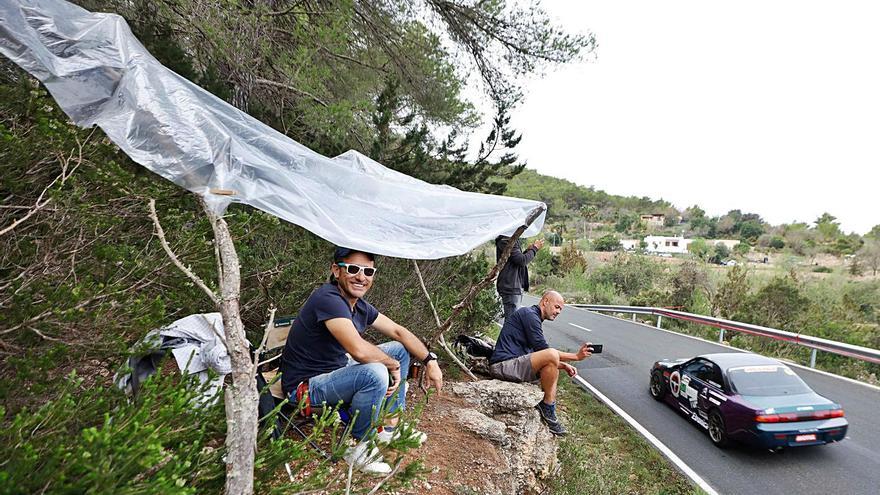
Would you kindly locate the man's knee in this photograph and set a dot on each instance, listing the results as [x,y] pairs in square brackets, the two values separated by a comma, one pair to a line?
[375,375]
[545,358]
[396,350]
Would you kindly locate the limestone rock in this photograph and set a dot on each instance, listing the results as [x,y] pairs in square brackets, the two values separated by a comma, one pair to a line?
[496,397]
[526,443]
[482,425]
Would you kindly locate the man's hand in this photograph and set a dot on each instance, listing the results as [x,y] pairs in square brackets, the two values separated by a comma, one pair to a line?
[571,370]
[584,352]
[539,244]
[394,373]
[433,375]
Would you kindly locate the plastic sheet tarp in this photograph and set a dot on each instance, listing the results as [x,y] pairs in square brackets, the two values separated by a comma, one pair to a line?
[101,75]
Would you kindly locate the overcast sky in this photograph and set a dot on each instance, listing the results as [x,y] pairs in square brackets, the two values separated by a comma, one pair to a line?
[769,106]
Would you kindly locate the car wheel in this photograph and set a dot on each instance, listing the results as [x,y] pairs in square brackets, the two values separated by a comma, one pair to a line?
[658,387]
[718,430]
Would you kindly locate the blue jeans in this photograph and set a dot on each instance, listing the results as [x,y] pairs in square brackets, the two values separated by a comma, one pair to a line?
[363,386]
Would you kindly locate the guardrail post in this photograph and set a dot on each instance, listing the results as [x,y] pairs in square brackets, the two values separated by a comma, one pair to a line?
[634,317]
[721,335]
[813,358]
[659,319]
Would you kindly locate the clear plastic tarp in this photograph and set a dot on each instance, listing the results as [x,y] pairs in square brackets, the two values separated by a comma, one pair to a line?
[101,75]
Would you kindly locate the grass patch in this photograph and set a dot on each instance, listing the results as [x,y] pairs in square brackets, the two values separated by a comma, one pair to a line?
[603,455]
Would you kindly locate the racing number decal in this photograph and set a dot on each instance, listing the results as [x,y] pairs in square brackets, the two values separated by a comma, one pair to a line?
[674,383]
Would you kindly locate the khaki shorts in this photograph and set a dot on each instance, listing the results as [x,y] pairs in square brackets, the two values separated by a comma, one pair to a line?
[518,369]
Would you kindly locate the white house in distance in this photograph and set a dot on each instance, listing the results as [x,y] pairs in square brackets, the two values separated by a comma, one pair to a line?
[666,244]
[629,244]
[679,245]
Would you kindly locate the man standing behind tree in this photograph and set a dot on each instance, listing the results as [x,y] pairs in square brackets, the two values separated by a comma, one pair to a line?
[514,277]
[522,354]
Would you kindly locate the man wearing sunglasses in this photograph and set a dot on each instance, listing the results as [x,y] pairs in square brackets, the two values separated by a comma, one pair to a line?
[328,326]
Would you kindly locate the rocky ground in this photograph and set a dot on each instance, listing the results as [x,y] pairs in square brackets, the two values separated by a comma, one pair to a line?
[485,437]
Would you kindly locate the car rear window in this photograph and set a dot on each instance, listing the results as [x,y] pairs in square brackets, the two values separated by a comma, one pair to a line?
[766,380]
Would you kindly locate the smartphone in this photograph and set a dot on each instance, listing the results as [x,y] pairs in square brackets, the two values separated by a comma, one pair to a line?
[596,348]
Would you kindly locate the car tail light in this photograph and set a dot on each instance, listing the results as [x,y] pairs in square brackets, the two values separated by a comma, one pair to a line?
[789,417]
[828,413]
[776,418]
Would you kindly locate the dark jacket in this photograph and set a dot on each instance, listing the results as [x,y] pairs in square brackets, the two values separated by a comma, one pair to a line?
[514,277]
[521,334]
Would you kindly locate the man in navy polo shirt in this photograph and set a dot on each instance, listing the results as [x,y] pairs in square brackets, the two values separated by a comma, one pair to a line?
[522,354]
[328,326]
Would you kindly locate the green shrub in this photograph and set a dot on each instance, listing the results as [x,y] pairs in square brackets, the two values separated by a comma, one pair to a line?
[607,242]
[571,259]
[98,441]
[629,274]
[779,304]
[544,265]
[822,269]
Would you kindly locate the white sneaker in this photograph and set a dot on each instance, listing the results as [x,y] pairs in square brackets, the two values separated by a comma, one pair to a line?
[366,459]
[391,433]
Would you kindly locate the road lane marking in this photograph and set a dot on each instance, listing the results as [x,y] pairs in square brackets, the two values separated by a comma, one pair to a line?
[582,328]
[680,464]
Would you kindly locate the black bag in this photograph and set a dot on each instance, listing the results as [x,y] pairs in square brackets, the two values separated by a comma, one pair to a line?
[475,346]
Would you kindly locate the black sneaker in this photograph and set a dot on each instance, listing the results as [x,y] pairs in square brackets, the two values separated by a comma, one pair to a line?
[548,413]
[557,429]
[548,416]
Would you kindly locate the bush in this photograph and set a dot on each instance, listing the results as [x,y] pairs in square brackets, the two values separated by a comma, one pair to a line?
[719,253]
[822,269]
[687,282]
[571,260]
[607,242]
[742,249]
[553,238]
[779,304]
[544,265]
[98,441]
[699,248]
[732,293]
[628,274]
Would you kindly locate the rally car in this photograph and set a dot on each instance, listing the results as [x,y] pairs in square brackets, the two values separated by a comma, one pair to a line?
[744,397]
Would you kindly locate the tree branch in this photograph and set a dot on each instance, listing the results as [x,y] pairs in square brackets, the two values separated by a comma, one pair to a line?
[439,325]
[263,342]
[490,277]
[192,276]
[63,176]
[267,82]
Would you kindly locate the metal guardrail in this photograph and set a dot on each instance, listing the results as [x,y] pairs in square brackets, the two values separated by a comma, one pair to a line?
[814,343]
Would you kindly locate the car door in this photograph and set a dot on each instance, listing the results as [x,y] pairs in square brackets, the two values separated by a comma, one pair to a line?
[713,393]
[690,386]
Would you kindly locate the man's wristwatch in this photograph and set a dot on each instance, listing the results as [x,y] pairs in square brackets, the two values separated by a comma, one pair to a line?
[430,357]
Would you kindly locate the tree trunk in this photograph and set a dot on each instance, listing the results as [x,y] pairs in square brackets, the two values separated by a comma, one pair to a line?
[241,396]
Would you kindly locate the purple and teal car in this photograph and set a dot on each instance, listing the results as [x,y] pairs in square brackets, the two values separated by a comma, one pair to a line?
[747,398]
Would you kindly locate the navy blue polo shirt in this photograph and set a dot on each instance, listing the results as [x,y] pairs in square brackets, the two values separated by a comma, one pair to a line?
[311,349]
[520,335]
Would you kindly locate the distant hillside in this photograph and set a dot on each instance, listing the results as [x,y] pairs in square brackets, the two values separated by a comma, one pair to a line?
[571,208]
[565,198]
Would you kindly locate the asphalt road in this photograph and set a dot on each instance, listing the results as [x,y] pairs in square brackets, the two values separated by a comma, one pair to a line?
[621,373]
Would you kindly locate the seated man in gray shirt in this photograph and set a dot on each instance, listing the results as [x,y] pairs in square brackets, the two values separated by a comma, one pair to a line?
[522,354]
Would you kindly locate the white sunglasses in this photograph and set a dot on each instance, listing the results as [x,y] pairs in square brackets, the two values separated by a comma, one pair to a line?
[353,269]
